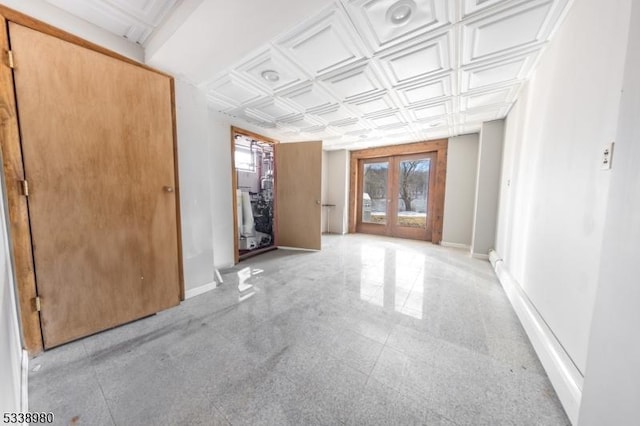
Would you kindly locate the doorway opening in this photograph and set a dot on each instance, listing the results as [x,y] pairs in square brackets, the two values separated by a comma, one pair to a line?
[398,191]
[254,193]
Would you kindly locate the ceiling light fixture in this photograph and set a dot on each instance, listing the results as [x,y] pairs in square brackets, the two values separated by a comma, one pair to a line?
[270,75]
[400,12]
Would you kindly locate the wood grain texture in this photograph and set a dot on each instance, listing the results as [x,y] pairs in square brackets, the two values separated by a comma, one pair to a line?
[438,178]
[298,194]
[19,231]
[176,174]
[98,148]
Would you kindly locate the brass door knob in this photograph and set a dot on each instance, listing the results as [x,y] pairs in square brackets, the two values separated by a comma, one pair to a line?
[168,189]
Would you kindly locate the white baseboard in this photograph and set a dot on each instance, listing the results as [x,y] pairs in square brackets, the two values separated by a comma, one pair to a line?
[455,245]
[24,382]
[480,256]
[563,374]
[295,248]
[193,292]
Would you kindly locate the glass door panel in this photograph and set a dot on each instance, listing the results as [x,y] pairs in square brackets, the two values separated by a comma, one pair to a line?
[413,193]
[375,178]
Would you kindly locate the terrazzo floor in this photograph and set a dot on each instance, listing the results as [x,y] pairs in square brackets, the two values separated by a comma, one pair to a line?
[368,331]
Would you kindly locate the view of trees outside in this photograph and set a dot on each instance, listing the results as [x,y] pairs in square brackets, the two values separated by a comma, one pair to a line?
[375,192]
[412,193]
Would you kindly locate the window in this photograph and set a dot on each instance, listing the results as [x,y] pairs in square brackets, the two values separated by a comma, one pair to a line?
[245,159]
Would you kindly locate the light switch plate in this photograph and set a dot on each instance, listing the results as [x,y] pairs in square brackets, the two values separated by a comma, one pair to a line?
[606,157]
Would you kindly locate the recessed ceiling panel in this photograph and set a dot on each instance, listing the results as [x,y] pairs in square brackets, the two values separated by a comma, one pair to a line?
[497,96]
[508,71]
[506,32]
[134,20]
[425,91]
[270,70]
[308,97]
[419,60]
[430,112]
[375,105]
[470,7]
[325,44]
[375,19]
[354,83]
[232,90]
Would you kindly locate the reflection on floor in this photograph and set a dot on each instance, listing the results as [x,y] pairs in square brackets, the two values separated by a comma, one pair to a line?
[369,331]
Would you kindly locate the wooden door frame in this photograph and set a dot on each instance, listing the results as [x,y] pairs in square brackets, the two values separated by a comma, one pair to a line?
[438,146]
[17,205]
[234,186]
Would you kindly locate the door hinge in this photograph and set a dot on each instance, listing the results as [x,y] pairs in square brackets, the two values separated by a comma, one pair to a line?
[25,187]
[10,59]
[36,303]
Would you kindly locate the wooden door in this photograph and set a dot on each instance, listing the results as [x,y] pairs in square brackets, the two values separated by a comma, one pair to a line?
[298,194]
[98,152]
[397,195]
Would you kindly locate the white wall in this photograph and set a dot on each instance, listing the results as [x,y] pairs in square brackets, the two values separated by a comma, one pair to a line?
[195,161]
[52,15]
[10,343]
[612,382]
[459,198]
[553,194]
[336,177]
[220,133]
[487,187]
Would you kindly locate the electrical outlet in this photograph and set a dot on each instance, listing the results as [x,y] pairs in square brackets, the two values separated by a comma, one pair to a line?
[607,157]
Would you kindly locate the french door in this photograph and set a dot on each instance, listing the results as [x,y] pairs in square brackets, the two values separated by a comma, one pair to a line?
[396,195]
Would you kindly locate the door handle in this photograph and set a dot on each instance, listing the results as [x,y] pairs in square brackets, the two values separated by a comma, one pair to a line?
[168,189]
[318,202]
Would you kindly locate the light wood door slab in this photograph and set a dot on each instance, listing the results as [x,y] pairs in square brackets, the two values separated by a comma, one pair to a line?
[97,141]
[298,194]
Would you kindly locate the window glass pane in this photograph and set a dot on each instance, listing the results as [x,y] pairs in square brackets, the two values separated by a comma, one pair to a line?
[374,193]
[413,193]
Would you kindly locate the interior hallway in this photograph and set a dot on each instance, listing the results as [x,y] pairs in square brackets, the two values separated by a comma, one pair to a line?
[371,330]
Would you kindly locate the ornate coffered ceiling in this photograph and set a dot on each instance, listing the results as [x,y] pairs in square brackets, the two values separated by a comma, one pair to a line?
[365,72]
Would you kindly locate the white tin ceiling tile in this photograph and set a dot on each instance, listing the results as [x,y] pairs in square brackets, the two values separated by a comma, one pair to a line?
[272,109]
[373,20]
[308,97]
[425,90]
[270,60]
[387,121]
[419,60]
[352,83]
[350,126]
[108,17]
[429,112]
[151,12]
[218,104]
[375,105]
[509,70]
[496,96]
[232,90]
[506,32]
[339,113]
[323,44]
[299,122]
[479,115]
[470,7]
[252,118]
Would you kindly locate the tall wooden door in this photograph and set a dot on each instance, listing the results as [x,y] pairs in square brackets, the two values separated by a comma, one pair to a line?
[298,194]
[98,152]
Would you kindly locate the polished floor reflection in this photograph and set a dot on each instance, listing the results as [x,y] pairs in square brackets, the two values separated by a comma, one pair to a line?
[369,331]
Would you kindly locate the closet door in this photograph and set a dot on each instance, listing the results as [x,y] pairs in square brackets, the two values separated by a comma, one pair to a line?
[298,194]
[97,143]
